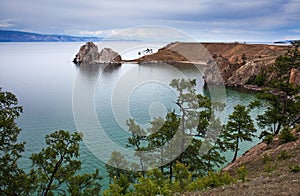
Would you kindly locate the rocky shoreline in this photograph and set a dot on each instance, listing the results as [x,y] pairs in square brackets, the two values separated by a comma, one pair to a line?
[237,65]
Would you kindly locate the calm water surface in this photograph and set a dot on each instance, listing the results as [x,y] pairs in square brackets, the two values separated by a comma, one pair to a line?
[43,77]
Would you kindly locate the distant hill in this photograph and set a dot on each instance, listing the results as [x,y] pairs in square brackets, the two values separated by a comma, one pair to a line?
[19,36]
[286,41]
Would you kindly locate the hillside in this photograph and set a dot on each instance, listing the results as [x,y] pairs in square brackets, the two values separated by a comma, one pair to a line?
[19,36]
[237,63]
[272,169]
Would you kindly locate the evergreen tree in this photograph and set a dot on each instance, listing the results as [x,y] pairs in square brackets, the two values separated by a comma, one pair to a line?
[180,132]
[198,120]
[182,177]
[160,134]
[13,180]
[213,158]
[240,127]
[283,104]
[85,184]
[118,166]
[57,165]
[154,183]
[137,141]
[119,186]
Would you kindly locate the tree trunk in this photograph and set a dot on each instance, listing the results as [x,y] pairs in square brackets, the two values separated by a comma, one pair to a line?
[171,171]
[142,165]
[284,108]
[278,129]
[57,165]
[236,150]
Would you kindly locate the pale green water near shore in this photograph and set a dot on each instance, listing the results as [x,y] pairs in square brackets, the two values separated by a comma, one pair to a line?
[42,76]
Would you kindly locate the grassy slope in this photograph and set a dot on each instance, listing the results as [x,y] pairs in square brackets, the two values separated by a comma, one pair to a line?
[269,171]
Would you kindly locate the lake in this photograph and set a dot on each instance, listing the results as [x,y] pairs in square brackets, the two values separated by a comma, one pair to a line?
[56,94]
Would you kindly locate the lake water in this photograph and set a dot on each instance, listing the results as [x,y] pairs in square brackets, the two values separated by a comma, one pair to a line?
[45,81]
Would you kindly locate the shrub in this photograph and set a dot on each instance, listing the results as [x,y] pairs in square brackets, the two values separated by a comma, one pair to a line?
[268,139]
[269,167]
[266,158]
[294,169]
[251,79]
[284,155]
[259,79]
[298,128]
[242,172]
[286,136]
[212,180]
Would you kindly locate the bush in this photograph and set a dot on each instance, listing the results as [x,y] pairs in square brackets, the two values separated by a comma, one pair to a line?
[259,79]
[266,158]
[268,139]
[242,172]
[294,169]
[212,180]
[269,167]
[251,79]
[286,136]
[284,155]
[298,128]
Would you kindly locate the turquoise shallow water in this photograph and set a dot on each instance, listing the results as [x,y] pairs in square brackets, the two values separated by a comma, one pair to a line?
[43,78]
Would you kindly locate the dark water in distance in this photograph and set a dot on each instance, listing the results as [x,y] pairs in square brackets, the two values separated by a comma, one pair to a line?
[42,76]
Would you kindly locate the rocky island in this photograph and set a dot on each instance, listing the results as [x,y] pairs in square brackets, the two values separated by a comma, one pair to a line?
[89,54]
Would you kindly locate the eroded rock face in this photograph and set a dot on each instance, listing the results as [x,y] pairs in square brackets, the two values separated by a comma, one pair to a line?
[107,55]
[89,54]
[243,73]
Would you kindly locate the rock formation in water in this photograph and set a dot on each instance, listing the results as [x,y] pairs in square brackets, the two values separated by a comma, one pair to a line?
[89,54]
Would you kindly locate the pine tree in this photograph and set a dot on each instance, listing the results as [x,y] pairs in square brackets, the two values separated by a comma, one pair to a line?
[13,180]
[283,104]
[57,165]
[239,128]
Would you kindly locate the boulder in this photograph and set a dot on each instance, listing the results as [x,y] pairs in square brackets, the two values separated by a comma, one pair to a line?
[89,54]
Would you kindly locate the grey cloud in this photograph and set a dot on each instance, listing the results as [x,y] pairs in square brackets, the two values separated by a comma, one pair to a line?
[57,16]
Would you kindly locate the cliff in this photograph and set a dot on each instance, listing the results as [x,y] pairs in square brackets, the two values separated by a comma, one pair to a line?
[238,63]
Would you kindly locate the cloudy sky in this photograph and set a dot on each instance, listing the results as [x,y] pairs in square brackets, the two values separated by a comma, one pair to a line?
[204,20]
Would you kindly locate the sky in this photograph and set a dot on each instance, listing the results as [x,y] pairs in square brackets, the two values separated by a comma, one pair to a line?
[204,20]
